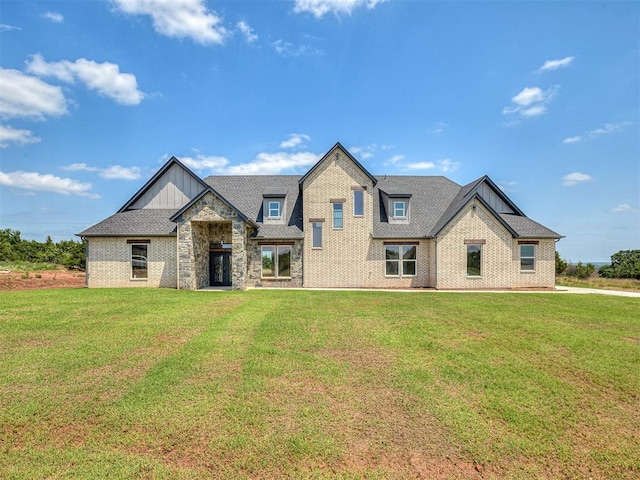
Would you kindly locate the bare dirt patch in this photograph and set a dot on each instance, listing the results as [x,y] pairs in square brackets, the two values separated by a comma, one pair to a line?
[14,281]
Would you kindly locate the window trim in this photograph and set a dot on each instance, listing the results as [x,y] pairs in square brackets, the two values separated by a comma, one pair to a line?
[404,208]
[337,209]
[139,243]
[276,257]
[279,204]
[400,261]
[531,257]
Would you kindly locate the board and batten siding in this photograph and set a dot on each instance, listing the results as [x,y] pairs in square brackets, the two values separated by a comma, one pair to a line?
[174,189]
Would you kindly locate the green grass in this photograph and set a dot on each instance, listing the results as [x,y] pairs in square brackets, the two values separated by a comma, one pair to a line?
[625,284]
[20,266]
[137,383]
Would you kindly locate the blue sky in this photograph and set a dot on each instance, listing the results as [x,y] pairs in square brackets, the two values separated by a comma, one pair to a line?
[541,96]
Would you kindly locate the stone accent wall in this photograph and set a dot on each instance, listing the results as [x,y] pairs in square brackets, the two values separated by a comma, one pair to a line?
[109,262]
[208,220]
[500,257]
[254,262]
[342,260]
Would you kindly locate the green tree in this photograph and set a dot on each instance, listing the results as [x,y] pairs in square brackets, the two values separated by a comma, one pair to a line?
[561,265]
[624,264]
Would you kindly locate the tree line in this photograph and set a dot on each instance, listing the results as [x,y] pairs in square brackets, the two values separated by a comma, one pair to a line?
[68,253]
[624,264]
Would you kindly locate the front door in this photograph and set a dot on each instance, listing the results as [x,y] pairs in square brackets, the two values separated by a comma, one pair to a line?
[220,269]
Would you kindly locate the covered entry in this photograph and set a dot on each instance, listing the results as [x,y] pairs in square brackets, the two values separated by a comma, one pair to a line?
[220,267]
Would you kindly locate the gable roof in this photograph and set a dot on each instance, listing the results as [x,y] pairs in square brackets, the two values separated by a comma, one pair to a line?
[212,191]
[171,162]
[346,152]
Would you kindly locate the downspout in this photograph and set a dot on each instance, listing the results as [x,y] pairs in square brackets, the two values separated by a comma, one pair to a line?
[86,262]
[435,263]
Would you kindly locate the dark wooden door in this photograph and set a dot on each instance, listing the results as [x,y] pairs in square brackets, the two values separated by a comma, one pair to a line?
[220,269]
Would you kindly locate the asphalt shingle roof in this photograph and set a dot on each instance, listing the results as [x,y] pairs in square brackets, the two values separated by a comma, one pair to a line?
[148,221]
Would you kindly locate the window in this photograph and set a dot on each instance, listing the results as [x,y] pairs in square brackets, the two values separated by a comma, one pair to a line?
[474,260]
[274,209]
[276,261]
[337,215]
[358,203]
[139,261]
[527,257]
[399,208]
[400,260]
[317,234]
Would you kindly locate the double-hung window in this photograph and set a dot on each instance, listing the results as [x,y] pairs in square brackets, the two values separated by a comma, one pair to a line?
[276,261]
[399,208]
[527,257]
[338,215]
[274,209]
[400,260]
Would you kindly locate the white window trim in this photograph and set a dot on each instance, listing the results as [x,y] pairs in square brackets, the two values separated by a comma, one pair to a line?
[404,208]
[279,216]
[533,270]
[313,246]
[333,207]
[466,251]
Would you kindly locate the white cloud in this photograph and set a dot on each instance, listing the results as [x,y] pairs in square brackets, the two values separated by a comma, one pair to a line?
[115,172]
[554,64]
[625,208]
[46,183]
[203,162]
[8,28]
[318,8]
[420,166]
[25,96]
[55,17]
[247,32]
[396,158]
[294,140]
[274,163]
[8,134]
[574,178]
[447,165]
[440,127]
[507,186]
[179,18]
[608,128]
[530,102]
[365,152]
[288,49]
[105,78]
[574,139]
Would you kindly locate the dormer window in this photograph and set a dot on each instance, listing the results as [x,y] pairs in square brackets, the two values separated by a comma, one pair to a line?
[274,209]
[400,209]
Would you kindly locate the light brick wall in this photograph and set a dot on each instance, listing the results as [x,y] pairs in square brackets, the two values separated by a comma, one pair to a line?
[544,275]
[500,255]
[377,268]
[109,262]
[342,260]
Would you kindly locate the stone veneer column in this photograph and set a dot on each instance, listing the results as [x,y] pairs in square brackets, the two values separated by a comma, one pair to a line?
[238,255]
[186,259]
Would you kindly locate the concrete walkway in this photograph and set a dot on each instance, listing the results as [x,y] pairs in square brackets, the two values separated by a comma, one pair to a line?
[580,290]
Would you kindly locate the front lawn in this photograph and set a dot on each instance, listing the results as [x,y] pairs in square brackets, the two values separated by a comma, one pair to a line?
[170,384]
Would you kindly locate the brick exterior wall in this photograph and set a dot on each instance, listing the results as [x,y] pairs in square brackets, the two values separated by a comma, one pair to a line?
[377,268]
[500,257]
[342,260]
[109,262]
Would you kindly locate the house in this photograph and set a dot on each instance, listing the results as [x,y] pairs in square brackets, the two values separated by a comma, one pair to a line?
[336,226]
